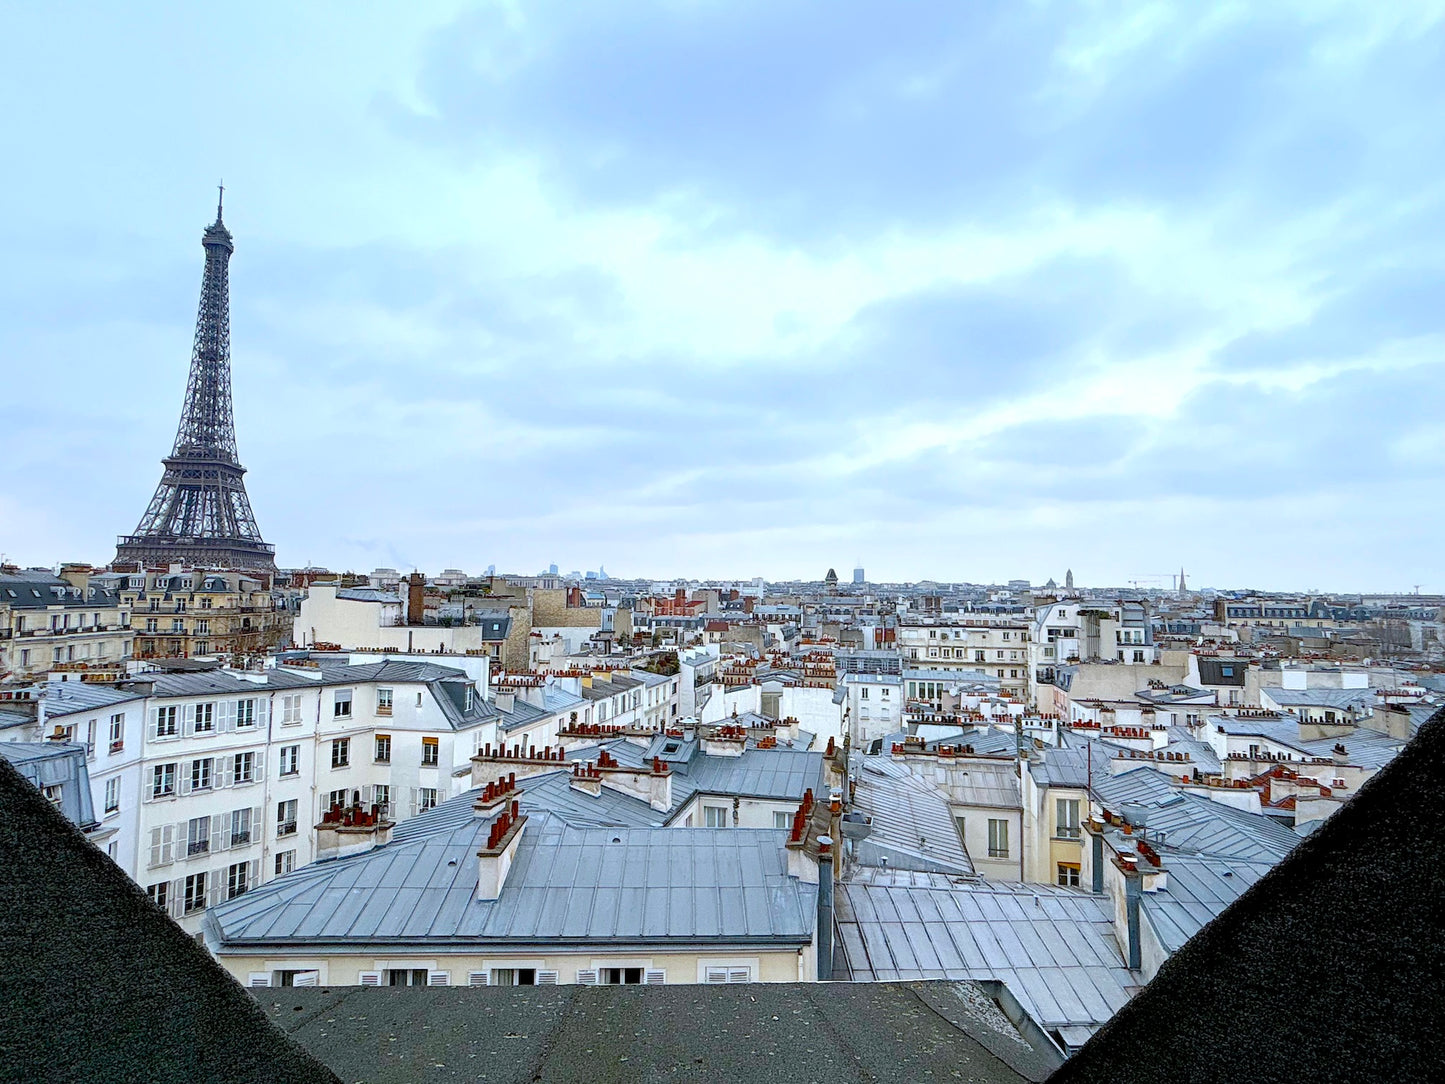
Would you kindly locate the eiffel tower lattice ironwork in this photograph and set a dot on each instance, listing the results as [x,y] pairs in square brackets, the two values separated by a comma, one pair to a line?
[200,514]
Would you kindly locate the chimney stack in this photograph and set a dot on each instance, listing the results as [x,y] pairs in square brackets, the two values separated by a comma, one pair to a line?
[415,599]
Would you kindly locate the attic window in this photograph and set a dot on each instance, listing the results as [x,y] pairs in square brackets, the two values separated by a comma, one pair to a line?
[670,748]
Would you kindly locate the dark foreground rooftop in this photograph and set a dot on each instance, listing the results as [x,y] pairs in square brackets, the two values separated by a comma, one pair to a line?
[763,1033]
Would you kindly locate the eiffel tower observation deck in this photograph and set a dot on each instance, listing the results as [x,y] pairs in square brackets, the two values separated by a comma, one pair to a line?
[200,514]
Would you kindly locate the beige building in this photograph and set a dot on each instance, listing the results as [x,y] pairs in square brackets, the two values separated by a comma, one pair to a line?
[184,612]
[997,646]
[72,621]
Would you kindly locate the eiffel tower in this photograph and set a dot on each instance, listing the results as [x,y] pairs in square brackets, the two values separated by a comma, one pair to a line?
[200,514]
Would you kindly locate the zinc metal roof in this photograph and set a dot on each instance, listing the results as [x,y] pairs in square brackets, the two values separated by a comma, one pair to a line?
[71,697]
[567,885]
[1197,889]
[912,825]
[1053,947]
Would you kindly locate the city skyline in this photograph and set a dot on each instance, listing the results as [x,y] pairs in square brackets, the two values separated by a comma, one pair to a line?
[995,294]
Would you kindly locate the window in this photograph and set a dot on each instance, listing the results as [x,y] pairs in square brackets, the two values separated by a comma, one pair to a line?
[290,759]
[342,705]
[117,732]
[714,816]
[782,819]
[340,752]
[240,827]
[418,699]
[237,879]
[112,795]
[512,976]
[1068,875]
[620,976]
[290,709]
[195,897]
[201,773]
[159,893]
[245,713]
[1066,818]
[978,656]
[243,768]
[53,793]
[383,701]
[863,693]
[426,798]
[203,627]
[177,625]
[166,722]
[163,781]
[205,718]
[381,796]
[206,603]
[728,974]
[962,824]
[285,862]
[286,818]
[383,748]
[198,835]
[411,976]
[997,838]
[429,752]
[337,798]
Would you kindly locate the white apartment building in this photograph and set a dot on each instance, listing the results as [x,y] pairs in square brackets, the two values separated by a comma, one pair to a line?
[873,705]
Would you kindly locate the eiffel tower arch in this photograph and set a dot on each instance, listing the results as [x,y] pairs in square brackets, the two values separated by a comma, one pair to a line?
[200,514]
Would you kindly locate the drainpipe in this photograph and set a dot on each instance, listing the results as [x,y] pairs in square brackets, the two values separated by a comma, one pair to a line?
[825,908]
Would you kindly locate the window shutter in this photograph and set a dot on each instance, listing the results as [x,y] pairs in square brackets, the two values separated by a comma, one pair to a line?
[255,875]
[546,978]
[438,978]
[227,722]
[155,722]
[157,845]
[188,726]
[263,711]
[365,795]
[654,978]
[218,887]
[259,978]
[370,978]
[256,823]
[177,897]
[716,974]
[587,978]
[306,978]
[478,978]
[740,974]
[415,801]
[258,766]
[224,772]
[179,835]
[221,832]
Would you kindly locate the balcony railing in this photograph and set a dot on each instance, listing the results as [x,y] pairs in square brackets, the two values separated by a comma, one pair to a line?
[285,828]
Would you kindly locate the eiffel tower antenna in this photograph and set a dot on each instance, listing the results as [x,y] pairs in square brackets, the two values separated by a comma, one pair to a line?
[200,514]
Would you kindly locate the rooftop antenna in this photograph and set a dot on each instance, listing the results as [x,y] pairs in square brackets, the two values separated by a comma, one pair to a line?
[220,197]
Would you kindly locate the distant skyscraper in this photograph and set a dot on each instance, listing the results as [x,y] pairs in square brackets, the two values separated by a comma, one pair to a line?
[200,513]
[858,575]
[552,569]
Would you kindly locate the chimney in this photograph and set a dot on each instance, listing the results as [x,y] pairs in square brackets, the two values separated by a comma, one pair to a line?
[351,830]
[415,598]
[824,930]
[506,700]
[494,861]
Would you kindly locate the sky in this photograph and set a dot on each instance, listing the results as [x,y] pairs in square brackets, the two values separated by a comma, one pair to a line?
[960,291]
